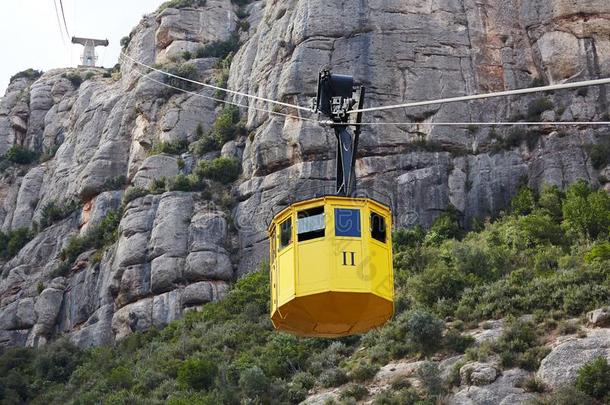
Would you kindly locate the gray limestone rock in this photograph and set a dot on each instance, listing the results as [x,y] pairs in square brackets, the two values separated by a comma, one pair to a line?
[155,168]
[599,317]
[166,272]
[504,390]
[208,265]
[560,367]
[476,373]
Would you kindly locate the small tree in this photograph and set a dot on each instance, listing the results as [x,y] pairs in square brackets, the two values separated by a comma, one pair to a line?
[523,202]
[223,169]
[594,378]
[197,373]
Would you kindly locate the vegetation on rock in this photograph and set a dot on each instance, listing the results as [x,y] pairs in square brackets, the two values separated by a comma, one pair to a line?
[526,261]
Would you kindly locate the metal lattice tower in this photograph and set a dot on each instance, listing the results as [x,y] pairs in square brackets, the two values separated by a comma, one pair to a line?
[89,57]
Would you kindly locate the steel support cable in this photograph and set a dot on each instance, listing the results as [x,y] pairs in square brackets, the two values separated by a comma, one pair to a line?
[61,30]
[562,86]
[143,75]
[237,93]
[487,124]
[63,14]
[415,104]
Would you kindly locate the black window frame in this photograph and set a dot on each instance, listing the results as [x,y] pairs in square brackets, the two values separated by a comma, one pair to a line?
[315,234]
[286,232]
[377,233]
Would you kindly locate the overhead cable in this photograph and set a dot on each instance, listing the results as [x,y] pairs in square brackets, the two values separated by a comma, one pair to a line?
[61,30]
[221,100]
[562,86]
[237,93]
[415,104]
[487,124]
[63,14]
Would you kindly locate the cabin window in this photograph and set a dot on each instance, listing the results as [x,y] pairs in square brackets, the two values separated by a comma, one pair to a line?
[310,224]
[378,228]
[347,222]
[286,233]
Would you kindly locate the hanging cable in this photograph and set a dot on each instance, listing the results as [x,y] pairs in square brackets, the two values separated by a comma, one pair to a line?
[237,93]
[221,100]
[415,104]
[63,14]
[485,124]
[61,30]
[563,86]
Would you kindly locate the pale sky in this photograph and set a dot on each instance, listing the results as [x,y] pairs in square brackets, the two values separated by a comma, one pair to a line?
[30,35]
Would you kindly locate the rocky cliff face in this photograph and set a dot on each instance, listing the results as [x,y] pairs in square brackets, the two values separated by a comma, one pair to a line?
[178,250]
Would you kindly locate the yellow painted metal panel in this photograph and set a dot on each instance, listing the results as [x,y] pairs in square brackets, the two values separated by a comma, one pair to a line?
[332,285]
[312,272]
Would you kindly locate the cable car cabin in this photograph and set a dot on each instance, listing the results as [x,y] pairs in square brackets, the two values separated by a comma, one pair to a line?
[331,267]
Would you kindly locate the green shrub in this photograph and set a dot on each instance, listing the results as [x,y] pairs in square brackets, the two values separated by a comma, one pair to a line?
[207,143]
[586,212]
[133,193]
[400,397]
[304,379]
[563,396]
[429,374]
[254,382]
[219,49]
[53,212]
[354,391]
[171,148]
[97,237]
[518,345]
[14,241]
[20,155]
[599,154]
[158,186]
[197,373]
[524,202]
[226,126]
[183,182]
[332,377]
[182,4]
[73,78]
[599,251]
[550,200]
[436,283]
[114,183]
[57,361]
[594,378]
[445,226]
[533,384]
[538,106]
[456,342]
[223,169]
[30,74]
[424,329]
[362,371]
[183,71]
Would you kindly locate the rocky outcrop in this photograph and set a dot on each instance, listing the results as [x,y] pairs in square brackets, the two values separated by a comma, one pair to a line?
[179,250]
[560,367]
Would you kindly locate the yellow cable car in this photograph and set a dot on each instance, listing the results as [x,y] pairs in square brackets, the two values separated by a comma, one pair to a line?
[331,256]
[331,267]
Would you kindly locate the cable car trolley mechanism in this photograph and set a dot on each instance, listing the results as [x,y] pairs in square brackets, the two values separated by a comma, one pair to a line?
[331,256]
